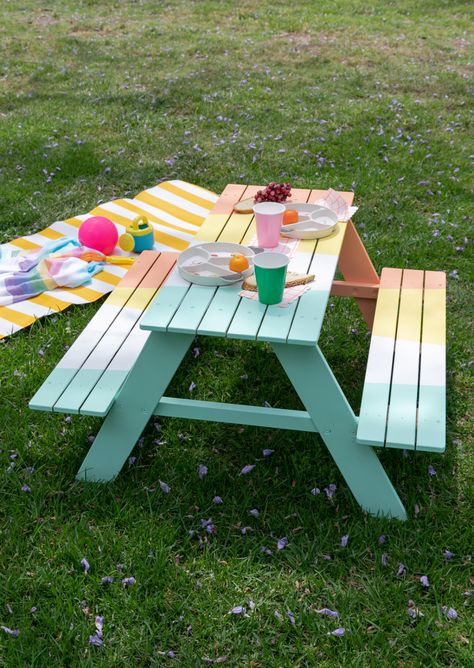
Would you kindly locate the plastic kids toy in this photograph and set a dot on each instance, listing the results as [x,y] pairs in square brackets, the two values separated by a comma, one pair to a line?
[98,233]
[138,237]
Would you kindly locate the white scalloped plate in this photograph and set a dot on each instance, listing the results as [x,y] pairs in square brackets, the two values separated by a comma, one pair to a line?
[315,221]
[208,264]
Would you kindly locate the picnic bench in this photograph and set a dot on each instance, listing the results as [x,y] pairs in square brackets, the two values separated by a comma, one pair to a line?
[121,364]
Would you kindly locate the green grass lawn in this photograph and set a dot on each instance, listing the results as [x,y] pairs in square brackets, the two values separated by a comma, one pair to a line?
[99,99]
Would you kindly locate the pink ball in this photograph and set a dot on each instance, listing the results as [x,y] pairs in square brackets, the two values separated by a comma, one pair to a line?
[99,233]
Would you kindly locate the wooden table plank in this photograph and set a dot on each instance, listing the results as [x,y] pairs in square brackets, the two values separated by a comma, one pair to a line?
[402,411]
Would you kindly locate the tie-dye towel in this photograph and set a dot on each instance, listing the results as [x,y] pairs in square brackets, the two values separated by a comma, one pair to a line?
[175,209]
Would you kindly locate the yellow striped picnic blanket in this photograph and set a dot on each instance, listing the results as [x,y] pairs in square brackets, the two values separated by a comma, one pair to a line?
[176,209]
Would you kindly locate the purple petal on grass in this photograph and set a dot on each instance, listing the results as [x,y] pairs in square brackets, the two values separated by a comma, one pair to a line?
[99,625]
[266,452]
[282,543]
[278,614]
[192,387]
[254,512]
[220,659]
[291,617]
[345,540]
[447,554]
[85,565]
[431,470]
[424,581]
[266,550]
[237,610]
[382,539]
[96,640]
[384,559]
[128,582]
[196,352]
[451,613]
[120,567]
[329,613]
[315,491]
[131,461]
[330,490]
[247,469]
[401,569]
[25,488]
[217,500]
[202,471]
[108,579]
[11,632]
[338,633]
[164,487]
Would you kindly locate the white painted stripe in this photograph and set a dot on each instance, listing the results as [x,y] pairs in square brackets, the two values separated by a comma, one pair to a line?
[7,327]
[30,308]
[128,353]
[405,366]
[166,217]
[379,364]
[67,230]
[195,190]
[99,286]
[116,334]
[66,296]
[433,365]
[323,267]
[182,203]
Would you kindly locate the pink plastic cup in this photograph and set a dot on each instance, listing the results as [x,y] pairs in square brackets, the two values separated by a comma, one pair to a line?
[269,219]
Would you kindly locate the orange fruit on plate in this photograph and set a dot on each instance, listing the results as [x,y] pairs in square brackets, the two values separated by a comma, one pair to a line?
[290,216]
[238,262]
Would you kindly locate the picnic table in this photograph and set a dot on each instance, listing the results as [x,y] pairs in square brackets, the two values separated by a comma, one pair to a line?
[122,364]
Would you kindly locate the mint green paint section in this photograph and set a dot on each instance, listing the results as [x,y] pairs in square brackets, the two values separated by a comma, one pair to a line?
[276,323]
[431,432]
[257,416]
[333,417]
[220,312]
[103,395]
[135,404]
[77,391]
[246,321]
[163,307]
[51,389]
[401,422]
[308,318]
[373,414]
[191,310]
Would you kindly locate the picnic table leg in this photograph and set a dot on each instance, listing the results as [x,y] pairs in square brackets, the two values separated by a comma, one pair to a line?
[134,405]
[332,415]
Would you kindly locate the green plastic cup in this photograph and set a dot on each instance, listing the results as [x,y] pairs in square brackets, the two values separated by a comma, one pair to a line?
[270,273]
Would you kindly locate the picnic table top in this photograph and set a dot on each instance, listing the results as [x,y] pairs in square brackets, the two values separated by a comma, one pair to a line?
[181,307]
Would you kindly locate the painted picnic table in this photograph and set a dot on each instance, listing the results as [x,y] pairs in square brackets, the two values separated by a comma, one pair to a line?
[180,311]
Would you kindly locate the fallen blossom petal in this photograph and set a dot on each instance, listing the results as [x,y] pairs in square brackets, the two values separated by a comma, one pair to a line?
[424,581]
[131,461]
[329,613]
[128,582]
[447,554]
[254,512]
[217,500]
[202,471]
[192,387]
[266,550]
[164,487]
[96,640]
[11,632]
[291,617]
[401,569]
[338,633]
[384,559]
[247,469]
[108,579]
[237,610]
[345,540]
[26,488]
[315,491]
[330,490]
[85,565]
[266,452]
[282,543]
[382,539]
[431,470]
[99,625]
[220,659]
[278,614]
[120,567]
[451,613]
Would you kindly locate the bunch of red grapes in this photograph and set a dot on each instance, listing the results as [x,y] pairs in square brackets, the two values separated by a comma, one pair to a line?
[274,192]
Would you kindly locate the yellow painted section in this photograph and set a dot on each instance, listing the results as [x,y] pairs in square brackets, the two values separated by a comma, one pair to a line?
[75,222]
[49,233]
[107,277]
[409,319]
[332,244]
[385,321]
[434,317]
[212,227]
[119,296]
[17,318]
[85,293]
[114,217]
[306,246]
[52,303]
[24,244]
[170,208]
[250,234]
[236,227]
[185,194]
[140,298]
[143,212]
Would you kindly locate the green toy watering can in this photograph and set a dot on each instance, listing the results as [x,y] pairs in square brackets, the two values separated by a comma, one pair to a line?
[138,237]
